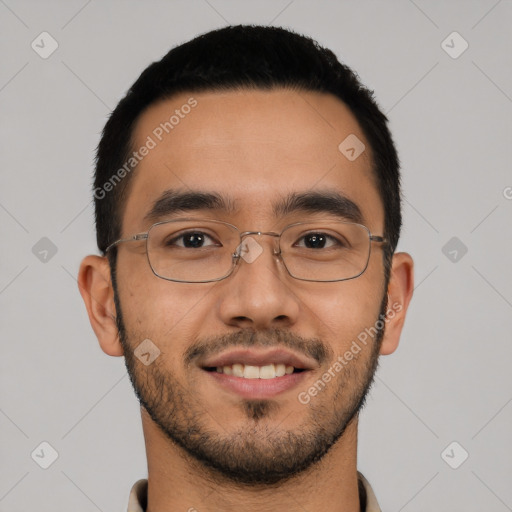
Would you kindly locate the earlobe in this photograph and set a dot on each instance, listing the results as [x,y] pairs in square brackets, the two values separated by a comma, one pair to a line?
[400,290]
[95,286]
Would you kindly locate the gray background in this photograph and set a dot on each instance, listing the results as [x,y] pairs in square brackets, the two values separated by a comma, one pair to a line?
[449,381]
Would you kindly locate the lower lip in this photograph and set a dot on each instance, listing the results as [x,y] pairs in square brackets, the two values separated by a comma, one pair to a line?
[258,388]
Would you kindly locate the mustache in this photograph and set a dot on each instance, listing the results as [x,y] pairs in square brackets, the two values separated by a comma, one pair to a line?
[247,338]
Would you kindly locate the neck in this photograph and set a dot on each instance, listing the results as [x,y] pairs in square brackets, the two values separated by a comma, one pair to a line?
[176,482]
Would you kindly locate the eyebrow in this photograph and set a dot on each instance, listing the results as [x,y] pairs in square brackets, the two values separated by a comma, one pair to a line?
[176,201]
[327,201]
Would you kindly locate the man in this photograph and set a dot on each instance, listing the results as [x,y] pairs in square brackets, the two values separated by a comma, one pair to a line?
[248,209]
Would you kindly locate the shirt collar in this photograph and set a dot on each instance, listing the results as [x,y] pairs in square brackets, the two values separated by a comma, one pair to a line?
[139,495]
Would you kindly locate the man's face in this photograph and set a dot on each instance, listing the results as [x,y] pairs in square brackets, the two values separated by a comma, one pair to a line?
[254,149]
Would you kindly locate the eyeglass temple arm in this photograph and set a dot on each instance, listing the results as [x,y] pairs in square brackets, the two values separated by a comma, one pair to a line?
[139,236]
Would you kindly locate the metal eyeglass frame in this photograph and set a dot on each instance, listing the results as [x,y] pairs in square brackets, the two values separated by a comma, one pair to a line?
[236,256]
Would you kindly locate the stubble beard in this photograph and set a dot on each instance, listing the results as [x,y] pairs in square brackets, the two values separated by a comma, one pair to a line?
[260,452]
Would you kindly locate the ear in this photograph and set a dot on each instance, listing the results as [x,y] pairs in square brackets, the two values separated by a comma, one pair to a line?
[400,289]
[95,285]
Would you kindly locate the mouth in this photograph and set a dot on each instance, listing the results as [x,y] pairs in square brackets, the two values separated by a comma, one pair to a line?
[258,375]
[246,371]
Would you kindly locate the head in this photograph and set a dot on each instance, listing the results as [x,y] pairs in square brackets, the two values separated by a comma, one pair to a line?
[245,125]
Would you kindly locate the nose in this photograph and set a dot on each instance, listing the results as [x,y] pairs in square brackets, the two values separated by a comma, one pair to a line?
[259,292]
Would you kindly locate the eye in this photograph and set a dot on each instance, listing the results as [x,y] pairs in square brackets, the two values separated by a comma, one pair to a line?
[319,240]
[192,240]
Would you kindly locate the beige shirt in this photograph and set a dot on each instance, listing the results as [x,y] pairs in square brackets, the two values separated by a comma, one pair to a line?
[139,493]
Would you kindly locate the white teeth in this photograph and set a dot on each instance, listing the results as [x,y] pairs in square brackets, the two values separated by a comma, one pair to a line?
[247,371]
[238,370]
[267,372]
[280,370]
[251,372]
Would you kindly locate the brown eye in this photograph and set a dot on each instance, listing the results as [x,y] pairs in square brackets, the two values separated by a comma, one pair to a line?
[191,240]
[319,241]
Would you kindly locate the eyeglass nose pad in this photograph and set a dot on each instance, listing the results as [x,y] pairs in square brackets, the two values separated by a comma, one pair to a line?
[237,254]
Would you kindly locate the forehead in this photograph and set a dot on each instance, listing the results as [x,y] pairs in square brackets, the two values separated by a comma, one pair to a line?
[254,148]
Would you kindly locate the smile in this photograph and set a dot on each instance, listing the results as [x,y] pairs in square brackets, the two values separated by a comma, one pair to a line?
[256,373]
[246,371]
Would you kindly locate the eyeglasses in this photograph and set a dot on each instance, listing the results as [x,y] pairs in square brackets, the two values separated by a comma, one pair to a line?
[191,250]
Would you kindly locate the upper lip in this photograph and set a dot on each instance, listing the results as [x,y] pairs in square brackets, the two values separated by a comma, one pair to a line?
[254,357]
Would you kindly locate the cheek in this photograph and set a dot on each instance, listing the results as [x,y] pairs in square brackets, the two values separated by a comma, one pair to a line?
[342,312]
[160,310]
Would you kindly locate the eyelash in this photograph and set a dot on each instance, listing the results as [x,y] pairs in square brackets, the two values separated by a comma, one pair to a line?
[182,235]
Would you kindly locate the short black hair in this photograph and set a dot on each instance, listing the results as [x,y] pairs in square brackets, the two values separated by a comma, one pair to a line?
[237,58]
